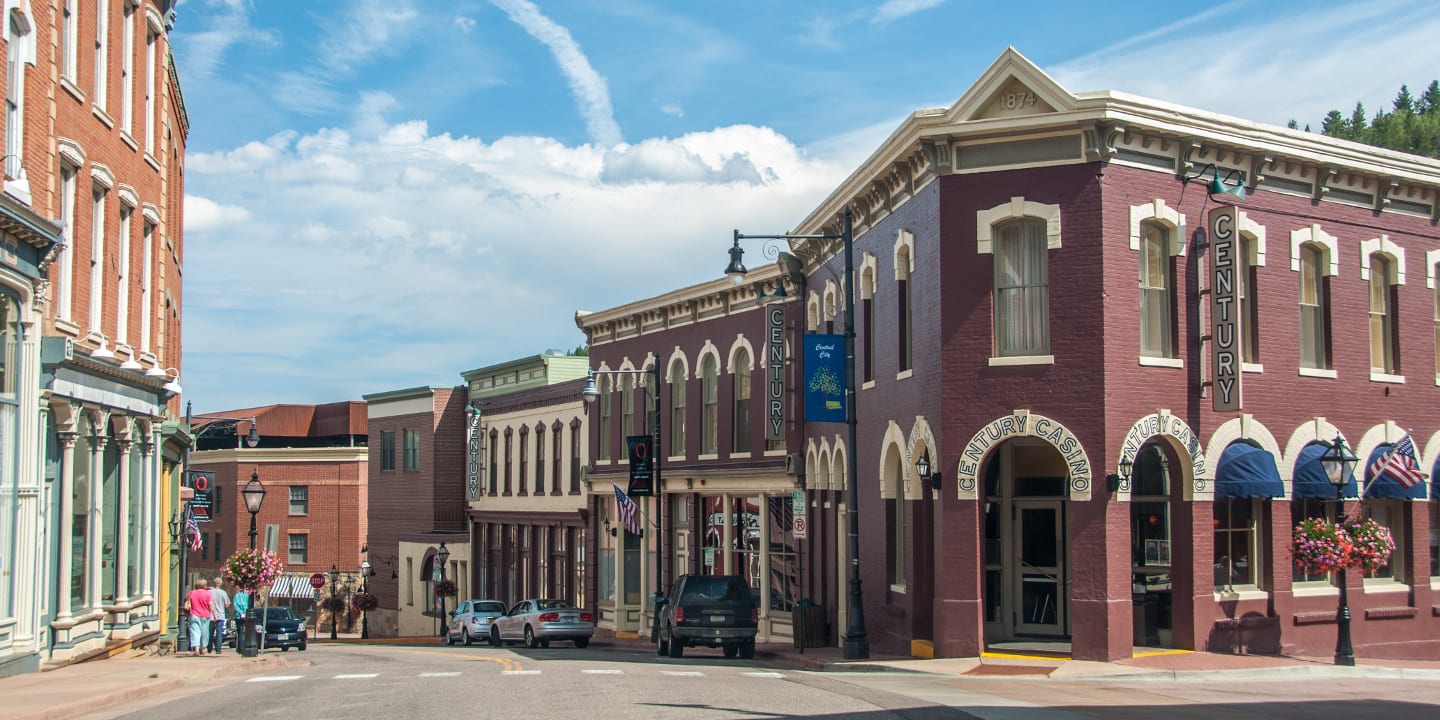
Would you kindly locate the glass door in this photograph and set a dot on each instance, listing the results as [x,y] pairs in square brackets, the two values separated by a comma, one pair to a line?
[1040,589]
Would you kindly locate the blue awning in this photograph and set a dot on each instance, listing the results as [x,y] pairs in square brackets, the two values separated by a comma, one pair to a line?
[1246,471]
[1310,480]
[1385,487]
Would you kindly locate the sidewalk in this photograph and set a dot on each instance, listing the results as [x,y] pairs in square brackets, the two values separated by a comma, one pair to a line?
[86,688]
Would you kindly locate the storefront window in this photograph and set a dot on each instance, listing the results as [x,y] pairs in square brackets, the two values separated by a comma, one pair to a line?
[80,515]
[712,549]
[1235,543]
[1305,509]
[1391,514]
[110,520]
[132,524]
[9,446]
[577,587]
[784,556]
[606,574]
[632,566]
[745,534]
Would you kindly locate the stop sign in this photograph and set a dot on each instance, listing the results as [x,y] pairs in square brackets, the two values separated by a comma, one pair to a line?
[317,580]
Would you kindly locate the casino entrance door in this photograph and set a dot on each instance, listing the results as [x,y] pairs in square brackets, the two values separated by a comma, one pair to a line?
[1026,553]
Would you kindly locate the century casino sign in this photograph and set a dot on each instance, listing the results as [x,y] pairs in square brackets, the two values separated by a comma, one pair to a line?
[1225,311]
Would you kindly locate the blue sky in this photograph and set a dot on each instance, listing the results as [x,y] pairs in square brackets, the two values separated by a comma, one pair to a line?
[383,194]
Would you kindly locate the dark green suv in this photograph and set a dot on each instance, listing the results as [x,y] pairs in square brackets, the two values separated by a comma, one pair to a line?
[709,610]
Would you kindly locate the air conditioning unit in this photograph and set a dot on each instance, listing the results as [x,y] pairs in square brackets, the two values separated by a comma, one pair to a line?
[794,464]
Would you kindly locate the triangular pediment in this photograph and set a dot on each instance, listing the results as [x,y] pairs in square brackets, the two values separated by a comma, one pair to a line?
[1011,87]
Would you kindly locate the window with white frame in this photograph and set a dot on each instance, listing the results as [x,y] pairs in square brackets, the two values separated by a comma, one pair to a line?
[150,36]
[122,277]
[127,68]
[540,459]
[677,408]
[65,280]
[299,500]
[9,435]
[1315,309]
[709,404]
[147,301]
[1157,292]
[102,52]
[524,478]
[627,406]
[605,428]
[1249,300]
[897,516]
[1022,293]
[904,311]
[69,41]
[1384,355]
[299,548]
[18,41]
[740,374]
[97,256]
[1237,548]
[1391,514]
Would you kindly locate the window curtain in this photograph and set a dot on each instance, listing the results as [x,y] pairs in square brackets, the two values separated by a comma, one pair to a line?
[1022,296]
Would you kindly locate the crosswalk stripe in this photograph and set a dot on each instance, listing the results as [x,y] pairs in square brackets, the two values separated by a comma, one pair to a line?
[763,674]
[682,673]
[356,676]
[440,674]
[274,678]
[594,671]
[520,672]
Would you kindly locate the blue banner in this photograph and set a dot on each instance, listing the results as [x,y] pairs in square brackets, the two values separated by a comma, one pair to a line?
[824,378]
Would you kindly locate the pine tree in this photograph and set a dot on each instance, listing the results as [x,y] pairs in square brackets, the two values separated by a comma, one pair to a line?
[1403,101]
[1413,126]
[1430,100]
[1357,126]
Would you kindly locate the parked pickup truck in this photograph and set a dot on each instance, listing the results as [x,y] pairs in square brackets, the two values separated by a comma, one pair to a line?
[709,610]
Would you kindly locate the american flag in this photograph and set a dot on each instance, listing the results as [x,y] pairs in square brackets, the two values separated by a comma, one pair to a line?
[1399,463]
[629,511]
[192,531]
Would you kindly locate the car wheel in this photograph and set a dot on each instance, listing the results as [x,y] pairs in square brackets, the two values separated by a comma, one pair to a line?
[495,640]
[285,649]
[530,640]
[732,649]
[582,643]
[468,640]
[302,647]
[663,648]
[747,650]
[677,646]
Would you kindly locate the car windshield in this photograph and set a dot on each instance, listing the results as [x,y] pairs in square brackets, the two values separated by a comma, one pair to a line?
[552,604]
[489,607]
[278,613]
[715,588]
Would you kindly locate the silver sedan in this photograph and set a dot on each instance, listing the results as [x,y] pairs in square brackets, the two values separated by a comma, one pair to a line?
[470,622]
[536,622]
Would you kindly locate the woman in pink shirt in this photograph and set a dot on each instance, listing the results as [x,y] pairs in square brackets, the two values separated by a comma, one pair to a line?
[198,604]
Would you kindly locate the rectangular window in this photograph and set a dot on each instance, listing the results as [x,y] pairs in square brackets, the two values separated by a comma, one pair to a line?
[299,500]
[867,310]
[409,581]
[509,460]
[524,479]
[1303,509]
[555,461]
[14,99]
[1236,556]
[1382,343]
[1022,293]
[1314,310]
[494,467]
[1157,329]
[97,257]
[677,409]
[217,498]
[1249,302]
[709,406]
[1434,534]
[604,434]
[9,434]
[219,547]
[412,449]
[540,460]
[102,52]
[147,302]
[741,374]
[903,324]
[65,283]
[127,70]
[122,279]
[299,549]
[1391,514]
[387,449]
[70,39]
[575,461]
[627,407]
[149,91]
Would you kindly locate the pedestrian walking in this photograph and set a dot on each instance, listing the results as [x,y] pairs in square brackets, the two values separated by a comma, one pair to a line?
[220,602]
[241,602]
[201,608]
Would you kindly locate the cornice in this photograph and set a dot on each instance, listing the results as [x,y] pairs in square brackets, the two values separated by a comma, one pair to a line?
[247,456]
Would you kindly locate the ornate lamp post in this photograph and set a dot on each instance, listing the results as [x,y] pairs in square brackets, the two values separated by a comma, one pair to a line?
[334,582]
[442,555]
[857,641]
[1339,463]
[365,573]
[254,494]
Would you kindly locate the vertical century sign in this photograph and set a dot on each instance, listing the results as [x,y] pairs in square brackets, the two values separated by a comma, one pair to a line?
[775,372]
[472,464]
[1225,310]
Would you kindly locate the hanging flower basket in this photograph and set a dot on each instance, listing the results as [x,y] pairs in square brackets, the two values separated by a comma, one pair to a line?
[365,602]
[333,604]
[1319,546]
[445,589]
[251,570]
[1370,544]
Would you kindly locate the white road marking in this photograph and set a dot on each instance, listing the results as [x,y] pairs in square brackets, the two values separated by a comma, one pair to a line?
[763,674]
[440,674]
[274,678]
[520,672]
[594,671]
[357,676]
[682,673]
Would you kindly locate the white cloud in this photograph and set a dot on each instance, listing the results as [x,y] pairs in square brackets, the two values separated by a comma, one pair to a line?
[202,51]
[591,91]
[404,257]
[675,109]
[368,28]
[464,23]
[892,10]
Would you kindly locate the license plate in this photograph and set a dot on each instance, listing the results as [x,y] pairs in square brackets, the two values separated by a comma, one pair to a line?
[717,618]
[568,618]
[282,636]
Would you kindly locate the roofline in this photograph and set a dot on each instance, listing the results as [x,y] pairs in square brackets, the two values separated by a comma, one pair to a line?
[407,393]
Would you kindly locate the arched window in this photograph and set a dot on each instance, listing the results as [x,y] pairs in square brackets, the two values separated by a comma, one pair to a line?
[677,408]
[867,316]
[1384,355]
[904,311]
[895,478]
[709,404]
[627,406]
[1315,309]
[605,426]
[1022,293]
[740,371]
[1157,292]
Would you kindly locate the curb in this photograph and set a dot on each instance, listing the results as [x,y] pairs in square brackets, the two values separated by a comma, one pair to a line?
[1256,674]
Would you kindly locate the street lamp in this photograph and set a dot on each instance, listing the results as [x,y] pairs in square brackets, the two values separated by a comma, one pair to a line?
[254,494]
[182,619]
[365,573]
[1339,463]
[857,642]
[590,393]
[334,582]
[442,555]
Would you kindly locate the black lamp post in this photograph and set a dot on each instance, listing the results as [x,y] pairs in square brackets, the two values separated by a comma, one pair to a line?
[365,573]
[254,494]
[443,556]
[182,619]
[334,583]
[590,393]
[857,641]
[1339,463]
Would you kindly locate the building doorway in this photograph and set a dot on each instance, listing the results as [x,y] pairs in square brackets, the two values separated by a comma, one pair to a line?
[1026,548]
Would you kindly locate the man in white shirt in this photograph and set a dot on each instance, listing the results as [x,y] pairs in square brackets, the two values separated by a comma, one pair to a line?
[221,600]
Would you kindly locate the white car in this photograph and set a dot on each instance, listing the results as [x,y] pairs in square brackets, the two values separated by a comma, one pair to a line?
[537,621]
[470,622]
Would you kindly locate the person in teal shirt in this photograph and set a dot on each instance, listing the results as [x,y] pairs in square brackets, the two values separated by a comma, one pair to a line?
[241,601]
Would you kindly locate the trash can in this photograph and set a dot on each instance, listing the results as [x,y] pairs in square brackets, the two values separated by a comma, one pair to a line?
[808,622]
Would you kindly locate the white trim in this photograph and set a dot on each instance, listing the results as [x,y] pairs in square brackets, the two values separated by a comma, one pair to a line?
[708,349]
[70,151]
[1255,230]
[1147,361]
[1381,377]
[1329,373]
[1431,258]
[869,265]
[127,196]
[1018,207]
[904,239]
[150,213]
[101,174]
[1382,585]
[1246,592]
[1252,367]
[1382,244]
[1022,360]
[1314,234]
[1158,211]
[1314,588]
[902,375]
